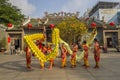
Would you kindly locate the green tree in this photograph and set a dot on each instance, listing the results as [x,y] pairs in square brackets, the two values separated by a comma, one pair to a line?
[71,29]
[9,13]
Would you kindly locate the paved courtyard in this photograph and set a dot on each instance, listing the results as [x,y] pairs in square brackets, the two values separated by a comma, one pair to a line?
[13,67]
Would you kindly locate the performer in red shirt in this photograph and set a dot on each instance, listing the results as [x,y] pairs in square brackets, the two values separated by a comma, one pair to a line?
[73,56]
[44,49]
[42,65]
[28,57]
[49,50]
[40,44]
[63,52]
[85,48]
[96,53]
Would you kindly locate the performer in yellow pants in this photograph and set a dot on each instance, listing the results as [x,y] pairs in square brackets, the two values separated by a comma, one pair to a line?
[73,60]
[96,53]
[63,52]
[85,48]
[73,56]
[49,50]
[42,64]
[51,63]
[28,57]
[63,62]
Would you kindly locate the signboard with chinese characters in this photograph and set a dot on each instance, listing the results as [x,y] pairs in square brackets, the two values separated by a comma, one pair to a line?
[108,11]
[108,15]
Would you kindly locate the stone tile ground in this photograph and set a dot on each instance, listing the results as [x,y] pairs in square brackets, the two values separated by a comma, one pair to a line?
[13,67]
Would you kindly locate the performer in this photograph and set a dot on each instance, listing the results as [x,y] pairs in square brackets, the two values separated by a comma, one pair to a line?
[73,56]
[40,44]
[63,52]
[49,50]
[28,57]
[85,48]
[44,49]
[42,64]
[96,53]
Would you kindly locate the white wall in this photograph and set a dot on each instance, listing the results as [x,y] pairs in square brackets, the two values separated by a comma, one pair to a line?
[108,14]
[95,15]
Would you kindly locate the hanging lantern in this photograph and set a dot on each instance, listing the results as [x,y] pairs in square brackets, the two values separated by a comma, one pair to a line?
[112,24]
[93,24]
[8,39]
[29,25]
[52,26]
[9,25]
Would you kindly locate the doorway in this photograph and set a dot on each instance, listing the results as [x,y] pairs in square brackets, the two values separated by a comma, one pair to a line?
[109,42]
[17,43]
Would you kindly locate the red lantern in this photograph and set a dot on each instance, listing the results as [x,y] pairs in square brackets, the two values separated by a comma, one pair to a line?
[8,39]
[29,25]
[111,23]
[9,25]
[93,24]
[52,26]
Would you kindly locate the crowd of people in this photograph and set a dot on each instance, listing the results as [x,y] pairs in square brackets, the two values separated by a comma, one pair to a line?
[14,49]
[64,52]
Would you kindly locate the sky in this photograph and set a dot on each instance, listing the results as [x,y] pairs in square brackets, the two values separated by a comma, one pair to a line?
[37,8]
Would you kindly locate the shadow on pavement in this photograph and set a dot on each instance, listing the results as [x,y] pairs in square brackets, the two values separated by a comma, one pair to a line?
[15,65]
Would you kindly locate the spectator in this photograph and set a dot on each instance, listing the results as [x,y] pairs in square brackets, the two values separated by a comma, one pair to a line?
[11,49]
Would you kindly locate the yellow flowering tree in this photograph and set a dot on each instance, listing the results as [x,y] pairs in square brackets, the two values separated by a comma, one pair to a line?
[71,29]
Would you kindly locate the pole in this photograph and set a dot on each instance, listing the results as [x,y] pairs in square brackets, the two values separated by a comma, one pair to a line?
[44,31]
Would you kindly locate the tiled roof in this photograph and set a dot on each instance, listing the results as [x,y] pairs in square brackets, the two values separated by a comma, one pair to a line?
[34,22]
[88,21]
[98,23]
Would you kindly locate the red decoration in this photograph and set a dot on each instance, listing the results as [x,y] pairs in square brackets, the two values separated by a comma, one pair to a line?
[9,25]
[111,23]
[93,24]
[29,25]
[52,26]
[9,39]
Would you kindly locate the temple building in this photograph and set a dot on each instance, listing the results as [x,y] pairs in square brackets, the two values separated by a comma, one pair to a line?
[107,35]
[106,11]
[17,33]
[103,13]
